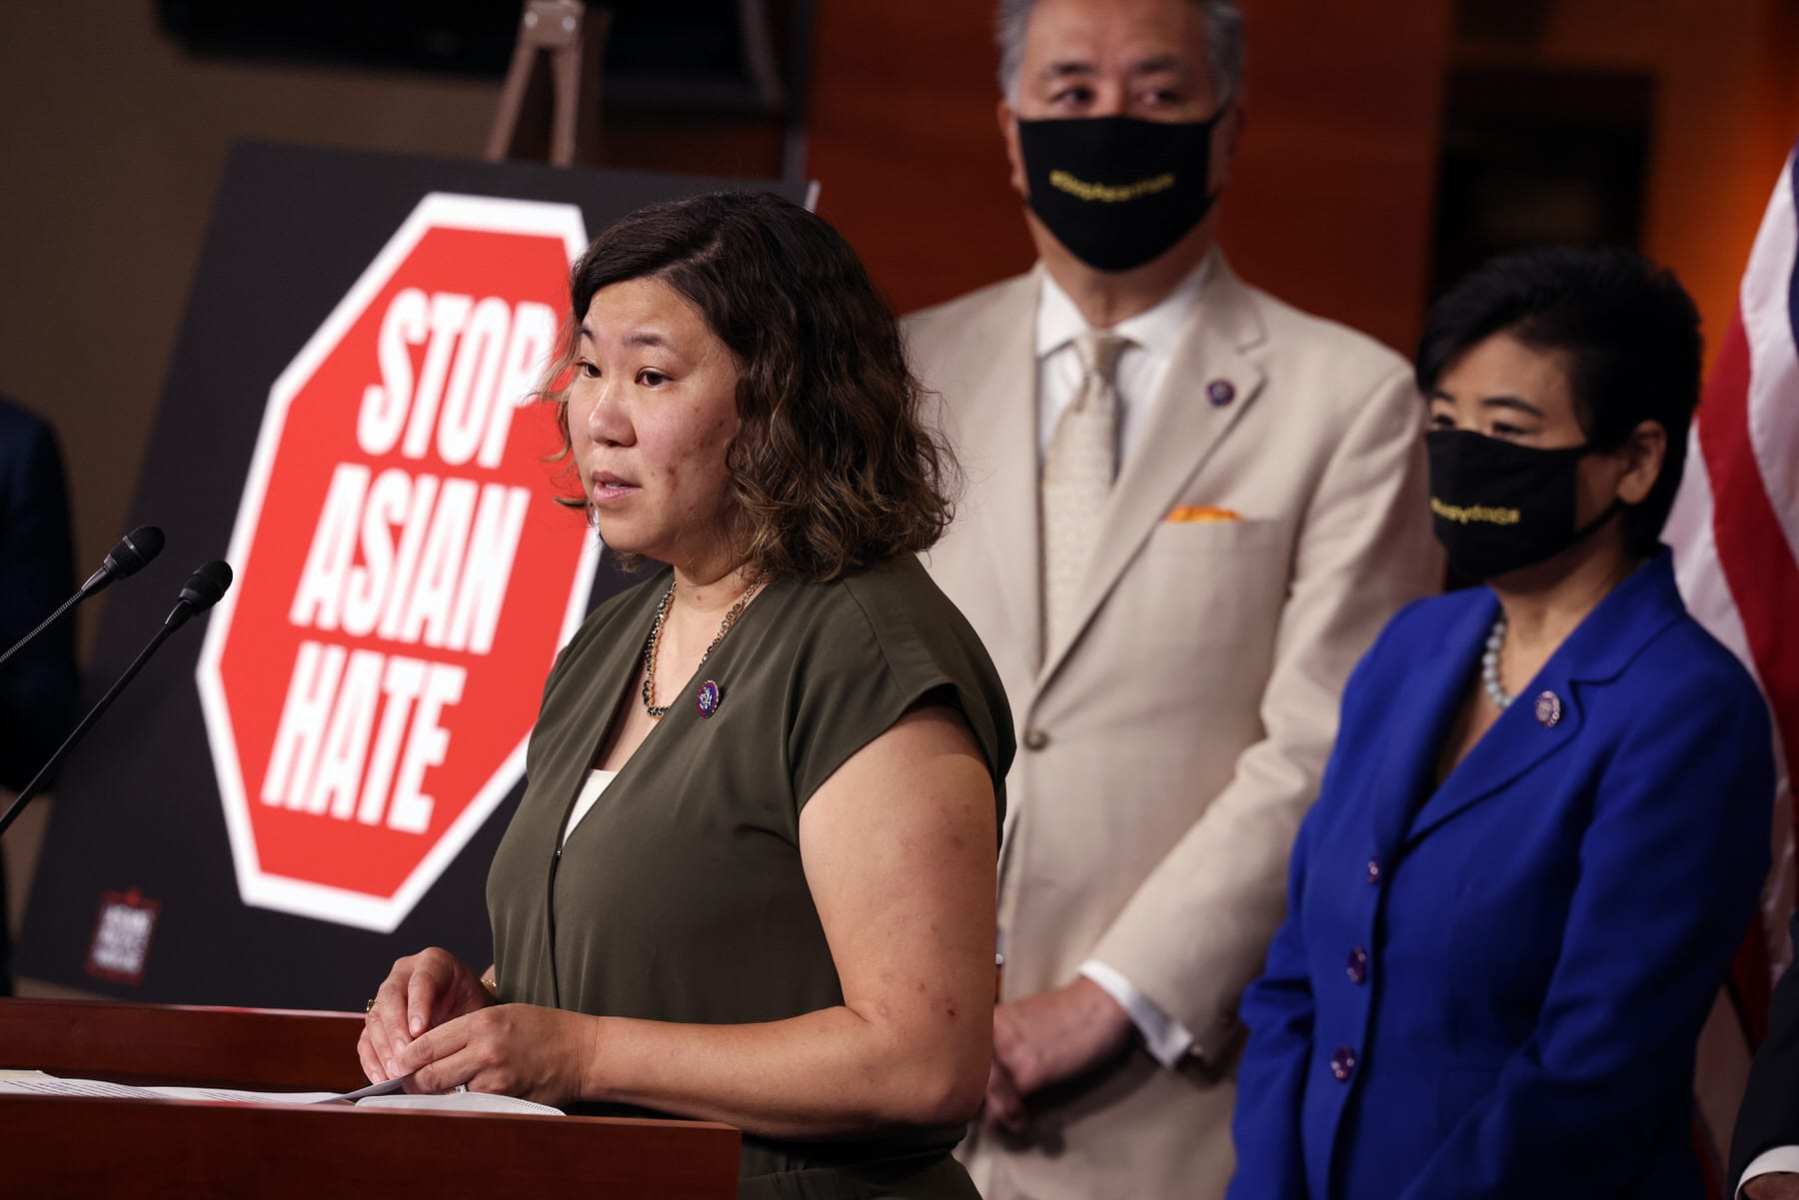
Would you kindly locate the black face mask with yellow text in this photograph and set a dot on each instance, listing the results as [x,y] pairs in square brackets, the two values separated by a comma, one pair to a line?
[1118,191]
[1498,506]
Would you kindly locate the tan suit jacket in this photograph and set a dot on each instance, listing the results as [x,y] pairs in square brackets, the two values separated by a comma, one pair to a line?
[1172,741]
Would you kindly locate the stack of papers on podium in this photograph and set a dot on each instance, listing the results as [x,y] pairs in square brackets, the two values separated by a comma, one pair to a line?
[376,1095]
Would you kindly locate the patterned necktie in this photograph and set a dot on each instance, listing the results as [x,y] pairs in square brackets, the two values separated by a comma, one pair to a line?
[1077,476]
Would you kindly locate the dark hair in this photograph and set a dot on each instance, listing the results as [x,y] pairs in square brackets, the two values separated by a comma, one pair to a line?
[1224,44]
[1629,332]
[834,467]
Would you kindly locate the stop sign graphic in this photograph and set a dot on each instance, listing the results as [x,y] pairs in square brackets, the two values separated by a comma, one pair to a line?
[404,575]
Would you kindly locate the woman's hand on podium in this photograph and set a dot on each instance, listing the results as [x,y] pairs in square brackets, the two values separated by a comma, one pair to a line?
[522,1050]
[421,992]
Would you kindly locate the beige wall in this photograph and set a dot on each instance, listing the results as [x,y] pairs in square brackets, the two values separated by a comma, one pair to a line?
[110,148]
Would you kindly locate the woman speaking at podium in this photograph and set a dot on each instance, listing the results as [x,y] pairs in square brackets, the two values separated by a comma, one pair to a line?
[751,879]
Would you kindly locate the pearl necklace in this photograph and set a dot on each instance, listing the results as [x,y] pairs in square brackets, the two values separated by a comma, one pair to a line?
[650,706]
[1489,666]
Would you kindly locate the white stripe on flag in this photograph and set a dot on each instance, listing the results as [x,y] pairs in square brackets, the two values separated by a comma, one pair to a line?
[1696,565]
[1771,466]
[1707,594]
[1773,360]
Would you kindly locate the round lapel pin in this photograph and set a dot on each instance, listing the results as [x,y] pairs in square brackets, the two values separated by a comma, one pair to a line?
[709,698]
[1549,710]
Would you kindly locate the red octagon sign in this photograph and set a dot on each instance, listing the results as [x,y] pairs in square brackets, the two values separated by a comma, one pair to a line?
[404,578]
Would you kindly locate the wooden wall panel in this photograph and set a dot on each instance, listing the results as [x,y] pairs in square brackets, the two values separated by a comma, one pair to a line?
[1726,112]
[905,140]
[1331,208]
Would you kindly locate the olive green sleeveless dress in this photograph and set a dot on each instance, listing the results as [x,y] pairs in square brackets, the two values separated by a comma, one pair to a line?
[680,896]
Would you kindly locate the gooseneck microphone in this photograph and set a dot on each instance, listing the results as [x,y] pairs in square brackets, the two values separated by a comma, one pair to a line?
[201,591]
[129,555]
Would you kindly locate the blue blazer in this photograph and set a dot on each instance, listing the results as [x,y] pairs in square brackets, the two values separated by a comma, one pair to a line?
[1494,987]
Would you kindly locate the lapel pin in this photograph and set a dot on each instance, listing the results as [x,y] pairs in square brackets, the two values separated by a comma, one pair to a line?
[1549,710]
[1221,392]
[709,698]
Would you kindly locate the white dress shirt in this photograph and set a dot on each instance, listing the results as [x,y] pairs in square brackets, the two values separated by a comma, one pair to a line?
[1771,1161]
[1155,335]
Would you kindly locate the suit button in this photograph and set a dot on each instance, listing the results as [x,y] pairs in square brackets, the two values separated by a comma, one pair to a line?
[1374,870]
[1357,966]
[1342,1064]
[1035,739]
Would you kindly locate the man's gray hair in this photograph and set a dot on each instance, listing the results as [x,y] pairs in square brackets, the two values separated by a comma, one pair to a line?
[1224,43]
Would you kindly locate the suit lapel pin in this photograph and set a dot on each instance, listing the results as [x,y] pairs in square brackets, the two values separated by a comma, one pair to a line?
[1549,710]
[709,698]
[1221,392]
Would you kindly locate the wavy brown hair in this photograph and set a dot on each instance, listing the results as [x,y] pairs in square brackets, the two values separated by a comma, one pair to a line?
[834,468]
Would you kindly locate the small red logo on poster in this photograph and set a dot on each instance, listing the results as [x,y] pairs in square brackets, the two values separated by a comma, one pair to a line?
[121,942]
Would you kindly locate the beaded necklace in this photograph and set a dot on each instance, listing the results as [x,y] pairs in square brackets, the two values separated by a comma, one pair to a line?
[649,648]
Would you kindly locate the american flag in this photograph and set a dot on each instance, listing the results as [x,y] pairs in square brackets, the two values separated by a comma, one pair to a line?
[1735,533]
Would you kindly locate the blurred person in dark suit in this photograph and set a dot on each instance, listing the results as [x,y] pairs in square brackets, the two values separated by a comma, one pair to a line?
[1764,1151]
[37,687]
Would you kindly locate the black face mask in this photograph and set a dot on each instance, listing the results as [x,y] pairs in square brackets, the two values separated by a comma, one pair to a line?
[1118,191]
[1498,506]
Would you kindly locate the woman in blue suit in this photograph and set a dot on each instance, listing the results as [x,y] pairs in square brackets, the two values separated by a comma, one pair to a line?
[1545,824]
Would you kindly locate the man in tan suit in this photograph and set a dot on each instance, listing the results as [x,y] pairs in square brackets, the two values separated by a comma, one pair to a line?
[1188,510]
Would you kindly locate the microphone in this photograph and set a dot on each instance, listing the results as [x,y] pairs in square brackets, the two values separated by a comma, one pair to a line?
[128,556]
[201,591]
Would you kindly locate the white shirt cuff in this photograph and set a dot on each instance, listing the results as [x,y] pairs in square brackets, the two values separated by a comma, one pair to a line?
[1166,1039]
[1769,1162]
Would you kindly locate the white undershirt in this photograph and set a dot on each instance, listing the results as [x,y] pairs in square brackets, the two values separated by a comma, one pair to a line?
[590,791]
[1156,336]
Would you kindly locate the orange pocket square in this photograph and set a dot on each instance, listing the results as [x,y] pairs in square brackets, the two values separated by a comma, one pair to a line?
[1199,514]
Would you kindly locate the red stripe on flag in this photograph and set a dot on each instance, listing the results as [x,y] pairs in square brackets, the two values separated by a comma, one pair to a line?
[1752,546]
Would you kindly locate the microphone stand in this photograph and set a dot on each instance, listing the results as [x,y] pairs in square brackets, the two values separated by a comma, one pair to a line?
[127,557]
[201,591]
[31,789]
[48,621]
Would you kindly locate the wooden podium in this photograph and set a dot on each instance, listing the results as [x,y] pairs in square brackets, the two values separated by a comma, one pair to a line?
[57,1146]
